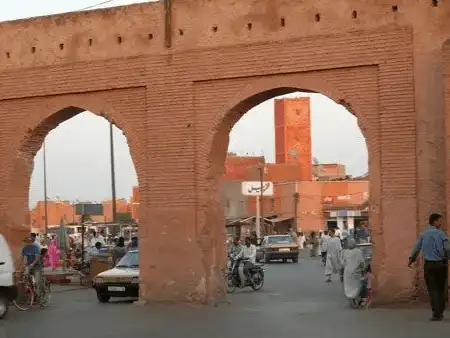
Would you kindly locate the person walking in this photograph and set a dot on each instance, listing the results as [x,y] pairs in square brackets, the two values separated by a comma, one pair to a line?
[323,246]
[333,263]
[314,243]
[435,250]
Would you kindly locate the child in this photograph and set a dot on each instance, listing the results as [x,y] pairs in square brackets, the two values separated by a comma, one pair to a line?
[45,257]
[368,286]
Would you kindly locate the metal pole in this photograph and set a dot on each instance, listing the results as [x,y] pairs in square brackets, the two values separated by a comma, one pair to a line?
[258,219]
[113,173]
[82,236]
[261,202]
[45,191]
[296,196]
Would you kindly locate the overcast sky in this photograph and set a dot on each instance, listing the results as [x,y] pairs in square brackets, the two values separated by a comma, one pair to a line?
[79,167]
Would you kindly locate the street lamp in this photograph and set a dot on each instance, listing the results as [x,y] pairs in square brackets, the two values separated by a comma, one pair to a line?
[45,190]
[113,174]
[259,199]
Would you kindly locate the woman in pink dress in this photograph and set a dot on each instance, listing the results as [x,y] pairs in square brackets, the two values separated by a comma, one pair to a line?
[54,253]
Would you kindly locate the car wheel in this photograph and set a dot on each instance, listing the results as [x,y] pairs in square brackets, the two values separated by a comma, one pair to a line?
[4,304]
[295,260]
[284,260]
[103,298]
[266,259]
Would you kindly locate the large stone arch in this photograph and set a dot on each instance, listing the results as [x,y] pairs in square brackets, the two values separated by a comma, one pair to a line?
[45,116]
[248,93]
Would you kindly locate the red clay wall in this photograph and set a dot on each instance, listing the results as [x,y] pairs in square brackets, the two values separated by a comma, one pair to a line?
[177,105]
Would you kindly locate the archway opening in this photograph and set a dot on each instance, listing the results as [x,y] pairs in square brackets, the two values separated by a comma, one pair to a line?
[75,171]
[309,151]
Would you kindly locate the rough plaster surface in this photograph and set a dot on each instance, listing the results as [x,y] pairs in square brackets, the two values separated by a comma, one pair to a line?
[176,105]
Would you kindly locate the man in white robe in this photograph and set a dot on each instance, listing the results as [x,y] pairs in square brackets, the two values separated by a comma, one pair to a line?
[334,250]
[354,264]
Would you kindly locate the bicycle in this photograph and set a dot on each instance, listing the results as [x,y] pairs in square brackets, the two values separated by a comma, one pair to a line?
[27,291]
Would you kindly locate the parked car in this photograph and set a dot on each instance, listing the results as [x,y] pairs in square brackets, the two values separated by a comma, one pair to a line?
[366,249]
[277,247]
[121,281]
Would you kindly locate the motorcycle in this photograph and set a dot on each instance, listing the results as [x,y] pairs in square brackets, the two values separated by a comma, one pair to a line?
[233,279]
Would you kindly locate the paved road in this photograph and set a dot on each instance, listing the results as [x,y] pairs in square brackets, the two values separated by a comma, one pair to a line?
[295,302]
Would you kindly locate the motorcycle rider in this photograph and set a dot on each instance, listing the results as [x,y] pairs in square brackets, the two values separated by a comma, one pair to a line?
[249,253]
[236,252]
[235,247]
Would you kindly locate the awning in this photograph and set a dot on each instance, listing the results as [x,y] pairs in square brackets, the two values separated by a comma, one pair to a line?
[278,220]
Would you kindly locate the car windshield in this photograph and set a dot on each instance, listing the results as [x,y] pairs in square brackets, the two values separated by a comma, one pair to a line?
[130,260]
[280,240]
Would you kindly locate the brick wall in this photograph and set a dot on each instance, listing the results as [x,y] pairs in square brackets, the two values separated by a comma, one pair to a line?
[178,105]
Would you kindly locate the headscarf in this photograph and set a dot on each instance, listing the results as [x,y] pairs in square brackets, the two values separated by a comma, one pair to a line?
[351,243]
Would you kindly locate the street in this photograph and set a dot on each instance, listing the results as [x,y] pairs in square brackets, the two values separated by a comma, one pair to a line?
[295,302]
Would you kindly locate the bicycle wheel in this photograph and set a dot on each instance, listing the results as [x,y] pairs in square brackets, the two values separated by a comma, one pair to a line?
[25,297]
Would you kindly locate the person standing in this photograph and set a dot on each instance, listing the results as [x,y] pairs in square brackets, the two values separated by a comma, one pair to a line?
[301,240]
[314,243]
[293,234]
[119,251]
[323,246]
[435,250]
[333,263]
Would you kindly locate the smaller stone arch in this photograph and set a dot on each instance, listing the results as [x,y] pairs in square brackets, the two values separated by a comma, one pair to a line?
[30,133]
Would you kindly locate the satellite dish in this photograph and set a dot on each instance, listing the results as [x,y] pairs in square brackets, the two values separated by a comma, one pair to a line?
[315,160]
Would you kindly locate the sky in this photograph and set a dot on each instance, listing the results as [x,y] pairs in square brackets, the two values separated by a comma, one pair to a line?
[78,168]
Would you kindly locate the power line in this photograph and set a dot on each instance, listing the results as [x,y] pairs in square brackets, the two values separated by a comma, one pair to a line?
[96,5]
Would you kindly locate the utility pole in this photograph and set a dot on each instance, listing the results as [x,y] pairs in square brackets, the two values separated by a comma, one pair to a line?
[260,207]
[113,173]
[296,197]
[45,190]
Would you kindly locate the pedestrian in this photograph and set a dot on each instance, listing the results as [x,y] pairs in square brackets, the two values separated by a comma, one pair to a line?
[333,264]
[293,234]
[435,250]
[314,244]
[354,266]
[323,246]
[118,251]
[301,240]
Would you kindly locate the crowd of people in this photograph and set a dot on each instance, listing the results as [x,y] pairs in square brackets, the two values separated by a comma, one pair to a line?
[337,249]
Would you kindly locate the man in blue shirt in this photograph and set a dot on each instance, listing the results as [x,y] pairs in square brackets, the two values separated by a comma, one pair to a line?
[435,249]
[31,254]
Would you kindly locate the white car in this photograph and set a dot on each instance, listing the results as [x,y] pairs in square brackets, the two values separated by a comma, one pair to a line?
[7,287]
[121,281]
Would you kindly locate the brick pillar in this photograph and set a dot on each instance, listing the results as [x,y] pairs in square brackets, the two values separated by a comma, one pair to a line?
[181,244]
